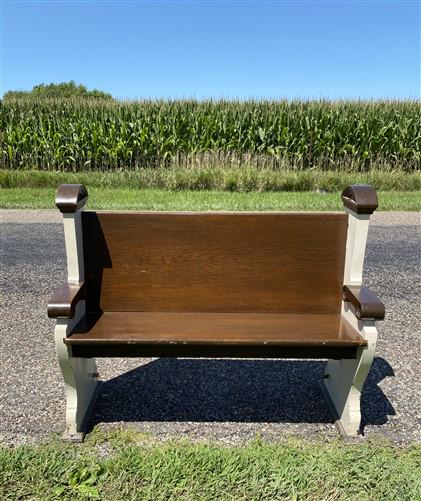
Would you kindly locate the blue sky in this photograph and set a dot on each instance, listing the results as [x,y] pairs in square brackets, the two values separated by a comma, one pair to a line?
[259,49]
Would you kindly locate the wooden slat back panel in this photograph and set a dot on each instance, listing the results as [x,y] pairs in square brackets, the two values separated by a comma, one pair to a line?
[215,262]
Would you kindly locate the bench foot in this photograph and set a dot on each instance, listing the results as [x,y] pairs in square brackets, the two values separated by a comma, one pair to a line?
[343,382]
[81,380]
[337,421]
[74,438]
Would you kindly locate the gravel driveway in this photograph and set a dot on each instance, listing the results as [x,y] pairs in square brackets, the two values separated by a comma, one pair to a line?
[229,401]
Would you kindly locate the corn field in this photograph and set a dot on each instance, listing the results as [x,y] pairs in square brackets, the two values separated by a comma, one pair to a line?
[83,134]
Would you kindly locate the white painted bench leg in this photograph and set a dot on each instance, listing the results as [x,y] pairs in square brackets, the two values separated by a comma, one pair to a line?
[344,380]
[79,374]
[81,380]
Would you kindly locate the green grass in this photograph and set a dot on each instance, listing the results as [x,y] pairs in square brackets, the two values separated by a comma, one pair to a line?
[100,198]
[241,179]
[125,465]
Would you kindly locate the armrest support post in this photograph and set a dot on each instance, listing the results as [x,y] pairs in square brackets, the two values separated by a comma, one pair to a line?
[74,247]
[360,202]
[70,199]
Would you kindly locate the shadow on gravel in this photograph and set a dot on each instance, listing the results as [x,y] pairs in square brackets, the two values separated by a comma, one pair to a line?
[231,390]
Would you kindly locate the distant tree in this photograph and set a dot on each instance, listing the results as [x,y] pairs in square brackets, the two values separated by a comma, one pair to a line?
[60,90]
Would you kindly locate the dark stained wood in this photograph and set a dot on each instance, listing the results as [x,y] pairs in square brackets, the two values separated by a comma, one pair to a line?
[219,328]
[365,302]
[71,197]
[210,334]
[63,302]
[361,198]
[96,259]
[213,351]
[214,262]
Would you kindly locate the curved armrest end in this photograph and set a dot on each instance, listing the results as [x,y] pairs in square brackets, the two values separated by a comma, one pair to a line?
[360,198]
[71,197]
[366,303]
[63,302]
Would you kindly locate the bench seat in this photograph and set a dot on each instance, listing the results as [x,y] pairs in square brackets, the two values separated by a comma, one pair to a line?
[144,334]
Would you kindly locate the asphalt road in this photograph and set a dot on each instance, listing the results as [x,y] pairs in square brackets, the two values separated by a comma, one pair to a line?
[225,400]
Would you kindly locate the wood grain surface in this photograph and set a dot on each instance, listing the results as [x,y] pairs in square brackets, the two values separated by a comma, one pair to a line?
[214,262]
[203,334]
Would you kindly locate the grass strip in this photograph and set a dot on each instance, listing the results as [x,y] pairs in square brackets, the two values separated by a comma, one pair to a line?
[219,178]
[124,199]
[125,465]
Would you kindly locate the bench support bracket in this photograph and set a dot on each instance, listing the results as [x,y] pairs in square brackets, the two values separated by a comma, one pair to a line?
[80,374]
[344,379]
[81,381]
[343,382]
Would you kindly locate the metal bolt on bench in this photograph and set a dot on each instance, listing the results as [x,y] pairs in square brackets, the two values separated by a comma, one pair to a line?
[216,284]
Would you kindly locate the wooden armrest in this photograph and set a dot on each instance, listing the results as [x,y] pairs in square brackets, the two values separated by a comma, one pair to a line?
[71,197]
[360,198]
[63,302]
[366,303]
